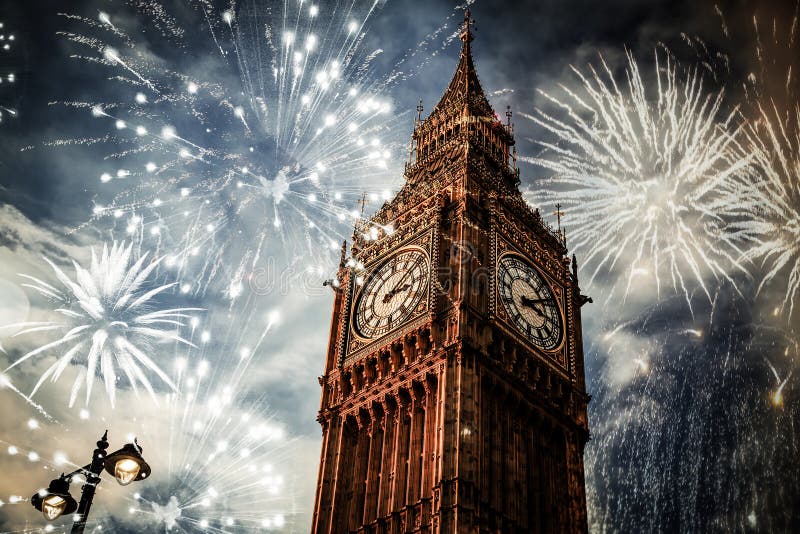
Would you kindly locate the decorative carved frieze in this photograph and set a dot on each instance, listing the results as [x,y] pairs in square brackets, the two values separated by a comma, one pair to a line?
[452,419]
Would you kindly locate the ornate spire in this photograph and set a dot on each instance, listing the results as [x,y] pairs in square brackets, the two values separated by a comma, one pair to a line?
[465,88]
[464,118]
[466,33]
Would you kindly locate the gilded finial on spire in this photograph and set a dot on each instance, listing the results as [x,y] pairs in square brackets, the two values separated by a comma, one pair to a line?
[358,224]
[466,32]
[561,232]
[558,213]
[419,111]
[363,203]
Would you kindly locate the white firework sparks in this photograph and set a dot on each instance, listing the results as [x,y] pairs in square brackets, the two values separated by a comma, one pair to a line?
[8,76]
[221,462]
[768,204]
[109,321]
[662,384]
[225,470]
[262,149]
[637,169]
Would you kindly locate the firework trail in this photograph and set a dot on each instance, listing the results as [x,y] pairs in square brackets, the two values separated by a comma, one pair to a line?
[687,414]
[224,471]
[767,205]
[637,169]
[223,463]
[7,75]
[108,320]
[774,76]
[261,149]
[767,201]
[6,383]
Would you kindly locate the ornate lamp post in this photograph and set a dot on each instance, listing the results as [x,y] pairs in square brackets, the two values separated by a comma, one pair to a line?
[126,464]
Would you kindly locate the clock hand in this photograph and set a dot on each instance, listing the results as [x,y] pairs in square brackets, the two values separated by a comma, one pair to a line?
[398,287]
[394,292]
[530,303]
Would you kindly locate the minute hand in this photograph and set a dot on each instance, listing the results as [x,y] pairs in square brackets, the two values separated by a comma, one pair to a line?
[525,301]
[397,288]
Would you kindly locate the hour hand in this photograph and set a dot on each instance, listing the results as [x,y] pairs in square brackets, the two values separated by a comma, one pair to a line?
[394,292]
[529,303]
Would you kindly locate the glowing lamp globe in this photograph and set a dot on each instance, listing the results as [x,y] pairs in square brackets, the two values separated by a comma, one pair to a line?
[126,471]
[127,464]
[55,501]
[53,506]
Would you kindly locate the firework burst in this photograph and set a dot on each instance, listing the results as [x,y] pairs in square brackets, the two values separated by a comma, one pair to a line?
[767,201]
[225,467]
[225,471]
[221,460]
[264,146]
[109,321]
[698,406]
[637,169]
[768,204]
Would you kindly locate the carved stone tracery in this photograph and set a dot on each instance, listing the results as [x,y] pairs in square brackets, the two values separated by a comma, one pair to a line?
[452,422]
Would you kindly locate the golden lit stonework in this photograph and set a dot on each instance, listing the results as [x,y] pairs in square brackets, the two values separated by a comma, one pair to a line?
[454,399]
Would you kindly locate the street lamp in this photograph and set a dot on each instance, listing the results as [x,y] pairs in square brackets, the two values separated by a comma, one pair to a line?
[55,500]
[126,464]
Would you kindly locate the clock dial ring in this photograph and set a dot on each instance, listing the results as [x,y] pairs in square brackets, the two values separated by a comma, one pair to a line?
[529,302]
[391,293]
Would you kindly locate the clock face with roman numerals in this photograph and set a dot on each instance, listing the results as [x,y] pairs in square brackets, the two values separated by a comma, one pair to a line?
[529,302]
[392,293]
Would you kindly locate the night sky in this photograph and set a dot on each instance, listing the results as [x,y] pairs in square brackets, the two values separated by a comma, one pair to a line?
[687,439]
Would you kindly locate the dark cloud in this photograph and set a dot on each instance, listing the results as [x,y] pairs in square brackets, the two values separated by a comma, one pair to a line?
[676,452]
[9,239]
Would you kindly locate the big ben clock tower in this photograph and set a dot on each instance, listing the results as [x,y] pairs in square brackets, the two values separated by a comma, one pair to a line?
[454,399]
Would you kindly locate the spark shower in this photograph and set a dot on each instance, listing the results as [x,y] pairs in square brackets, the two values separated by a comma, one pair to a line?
[221,140]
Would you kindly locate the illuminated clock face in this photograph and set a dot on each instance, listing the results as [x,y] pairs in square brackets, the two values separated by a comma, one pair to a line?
[392,293]
[529,302]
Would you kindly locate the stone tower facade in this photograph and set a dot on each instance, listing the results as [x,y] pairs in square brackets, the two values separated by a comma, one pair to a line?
[454,399]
